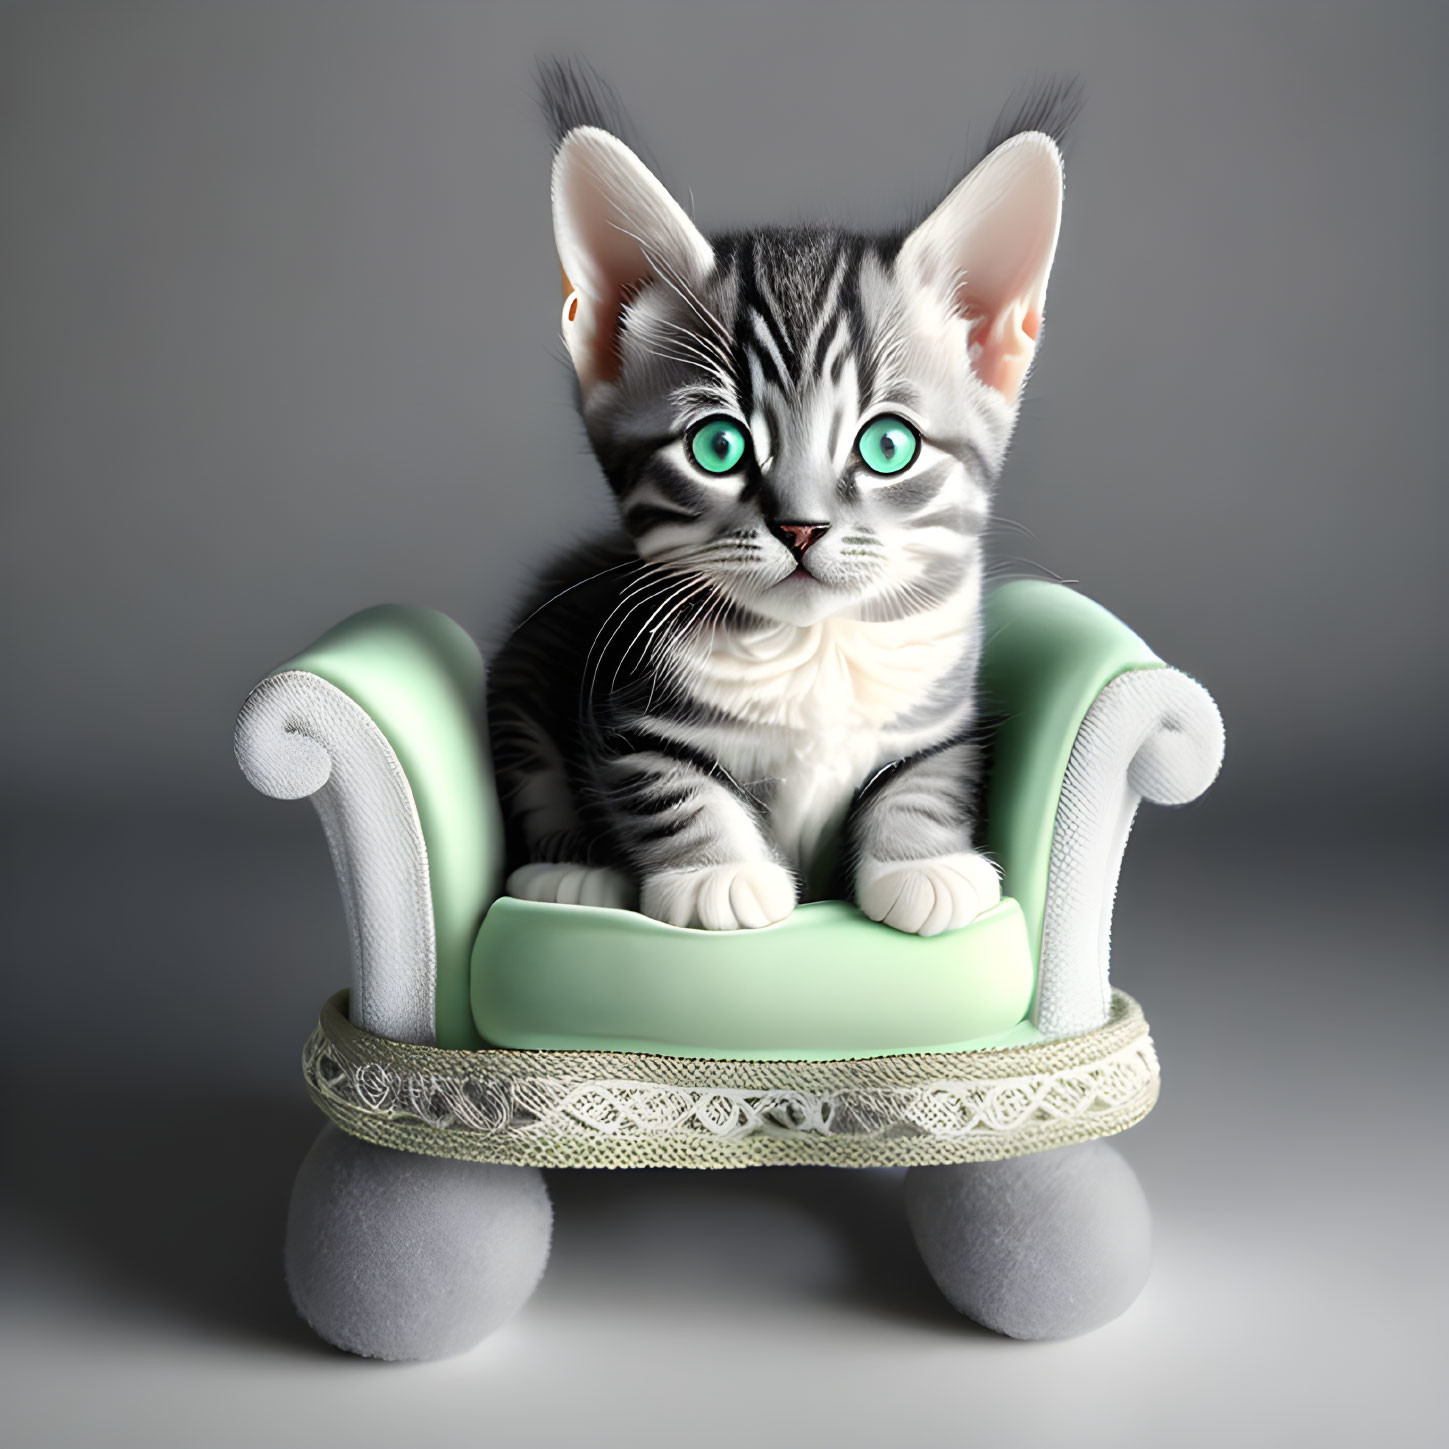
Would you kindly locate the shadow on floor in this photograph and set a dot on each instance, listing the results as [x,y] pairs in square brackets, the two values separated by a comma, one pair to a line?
[180,1209]
[834,1236]
[170,1207]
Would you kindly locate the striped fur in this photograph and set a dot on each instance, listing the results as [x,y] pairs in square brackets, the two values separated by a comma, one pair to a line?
[689,713]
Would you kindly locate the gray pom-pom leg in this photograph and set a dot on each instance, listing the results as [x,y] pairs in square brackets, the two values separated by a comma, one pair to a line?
[1046,1246]
[395,1256]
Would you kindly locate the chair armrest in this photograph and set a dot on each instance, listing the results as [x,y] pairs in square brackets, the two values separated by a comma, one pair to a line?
[381,723]
[1090,723]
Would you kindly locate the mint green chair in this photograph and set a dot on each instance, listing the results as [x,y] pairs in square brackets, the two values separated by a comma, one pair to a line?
[486,1030]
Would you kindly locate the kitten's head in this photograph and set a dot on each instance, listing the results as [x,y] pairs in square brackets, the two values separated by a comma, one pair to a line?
[808,420]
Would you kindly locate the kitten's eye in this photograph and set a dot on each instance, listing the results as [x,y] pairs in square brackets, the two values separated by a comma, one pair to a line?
[719,445]
[888,444]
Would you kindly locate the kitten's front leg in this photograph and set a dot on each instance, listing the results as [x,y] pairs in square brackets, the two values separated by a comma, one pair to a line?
[534,788]
[911,834]
[696,843]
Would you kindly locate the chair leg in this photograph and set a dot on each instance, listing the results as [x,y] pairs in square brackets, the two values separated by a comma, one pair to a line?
[1046,1246]
[395,1256]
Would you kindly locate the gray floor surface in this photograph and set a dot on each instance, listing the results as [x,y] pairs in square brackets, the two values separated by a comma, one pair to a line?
[170,968]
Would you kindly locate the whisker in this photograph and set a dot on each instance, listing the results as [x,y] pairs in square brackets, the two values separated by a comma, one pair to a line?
[677,284]
[691,586]
[704,341]
[632,563]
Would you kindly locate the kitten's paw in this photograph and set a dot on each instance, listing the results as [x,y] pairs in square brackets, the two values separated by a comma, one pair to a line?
[720,897]
[572,885]
[926,897]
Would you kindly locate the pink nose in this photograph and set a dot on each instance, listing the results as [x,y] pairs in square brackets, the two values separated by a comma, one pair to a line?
[797,537]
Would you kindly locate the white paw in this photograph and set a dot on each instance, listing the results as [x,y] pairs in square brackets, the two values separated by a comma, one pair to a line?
[926,897]
[572,885]
[721,897]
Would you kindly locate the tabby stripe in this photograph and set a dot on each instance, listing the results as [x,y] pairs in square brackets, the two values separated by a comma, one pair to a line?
[837,332]
[659,804]
[763,336]
[822,305]
[643,517]
[972,458]
[768,310]
[668,829]
[763,314]
[757,383]
[642,740]
[957,520]
[676,486]
[915,492]
[623,462]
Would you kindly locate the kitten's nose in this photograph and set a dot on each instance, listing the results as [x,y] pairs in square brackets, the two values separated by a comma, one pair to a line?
[797,537]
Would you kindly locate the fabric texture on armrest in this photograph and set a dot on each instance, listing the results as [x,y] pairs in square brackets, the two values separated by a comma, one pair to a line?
[420,678]
[1151,734]
[1049,653]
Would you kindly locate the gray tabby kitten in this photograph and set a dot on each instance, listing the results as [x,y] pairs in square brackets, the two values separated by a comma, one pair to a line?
[769,674]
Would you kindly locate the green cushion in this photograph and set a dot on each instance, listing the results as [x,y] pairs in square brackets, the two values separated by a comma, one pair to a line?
[824,984]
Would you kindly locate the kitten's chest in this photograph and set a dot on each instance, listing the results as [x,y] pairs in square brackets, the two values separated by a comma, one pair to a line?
[834,680]
[807,715]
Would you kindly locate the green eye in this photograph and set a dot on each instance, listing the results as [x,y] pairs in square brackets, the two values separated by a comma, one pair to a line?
[719,445]
[888,444]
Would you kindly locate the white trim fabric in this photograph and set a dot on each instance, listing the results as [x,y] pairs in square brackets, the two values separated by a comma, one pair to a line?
[1152,734]
[299,735]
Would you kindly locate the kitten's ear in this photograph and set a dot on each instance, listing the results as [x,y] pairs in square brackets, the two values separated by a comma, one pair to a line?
[615,226]
[987,250]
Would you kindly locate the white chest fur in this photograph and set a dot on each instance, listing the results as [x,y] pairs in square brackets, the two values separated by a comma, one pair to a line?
[812,712]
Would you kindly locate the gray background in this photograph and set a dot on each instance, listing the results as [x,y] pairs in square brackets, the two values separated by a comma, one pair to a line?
[278,313]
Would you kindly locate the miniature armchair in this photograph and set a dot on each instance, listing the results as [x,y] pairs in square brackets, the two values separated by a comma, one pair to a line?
[483,1037]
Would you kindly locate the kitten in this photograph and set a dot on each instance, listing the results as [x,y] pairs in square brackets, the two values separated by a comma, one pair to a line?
[769,673]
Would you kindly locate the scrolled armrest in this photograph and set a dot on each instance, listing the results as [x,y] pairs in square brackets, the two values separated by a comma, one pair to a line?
[1089,722]
[381,724]
[1151,734]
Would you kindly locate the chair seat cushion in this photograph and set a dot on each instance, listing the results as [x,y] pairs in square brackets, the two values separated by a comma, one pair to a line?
[825,984]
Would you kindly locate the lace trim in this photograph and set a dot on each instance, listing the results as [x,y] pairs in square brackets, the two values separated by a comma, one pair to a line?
[574,1107]
[506,1109]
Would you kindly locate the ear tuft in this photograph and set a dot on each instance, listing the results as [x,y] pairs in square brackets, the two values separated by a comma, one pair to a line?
[571,94]
[1050,106]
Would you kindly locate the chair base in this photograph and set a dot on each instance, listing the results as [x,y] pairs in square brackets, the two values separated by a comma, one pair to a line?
[394,1256]
[1041,1247]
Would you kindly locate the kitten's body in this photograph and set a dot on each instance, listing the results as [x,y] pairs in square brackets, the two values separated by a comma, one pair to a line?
[787,645]
[801,717]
